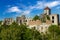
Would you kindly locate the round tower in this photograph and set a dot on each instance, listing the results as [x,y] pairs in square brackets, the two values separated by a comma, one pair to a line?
[47,11]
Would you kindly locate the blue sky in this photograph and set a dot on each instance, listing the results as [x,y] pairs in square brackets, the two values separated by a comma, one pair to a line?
[30,8]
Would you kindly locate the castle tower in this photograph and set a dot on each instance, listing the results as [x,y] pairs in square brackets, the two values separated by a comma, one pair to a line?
[47,11]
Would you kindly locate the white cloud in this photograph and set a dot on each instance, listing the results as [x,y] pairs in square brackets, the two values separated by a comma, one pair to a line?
[52,4]
[38,5]
[14,9]
[26,12]
[17,10]
[41,5]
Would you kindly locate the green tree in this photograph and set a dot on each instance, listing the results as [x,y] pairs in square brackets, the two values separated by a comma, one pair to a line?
[54,32]
[18,32]
[36,17]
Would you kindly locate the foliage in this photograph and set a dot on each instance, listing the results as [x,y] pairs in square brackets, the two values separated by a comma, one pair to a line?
[21,32]
[18,32]
[47,16]
[0,22]
[43,18]
[36,17]
[53,28]
[54,32]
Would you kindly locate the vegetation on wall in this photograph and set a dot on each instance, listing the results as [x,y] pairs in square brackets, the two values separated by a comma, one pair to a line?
[36,18]
[47,16]
[43,18]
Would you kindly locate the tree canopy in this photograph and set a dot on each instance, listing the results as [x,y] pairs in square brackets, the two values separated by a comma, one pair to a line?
[36,17]
[54,32]
[22,32]
[18,32]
